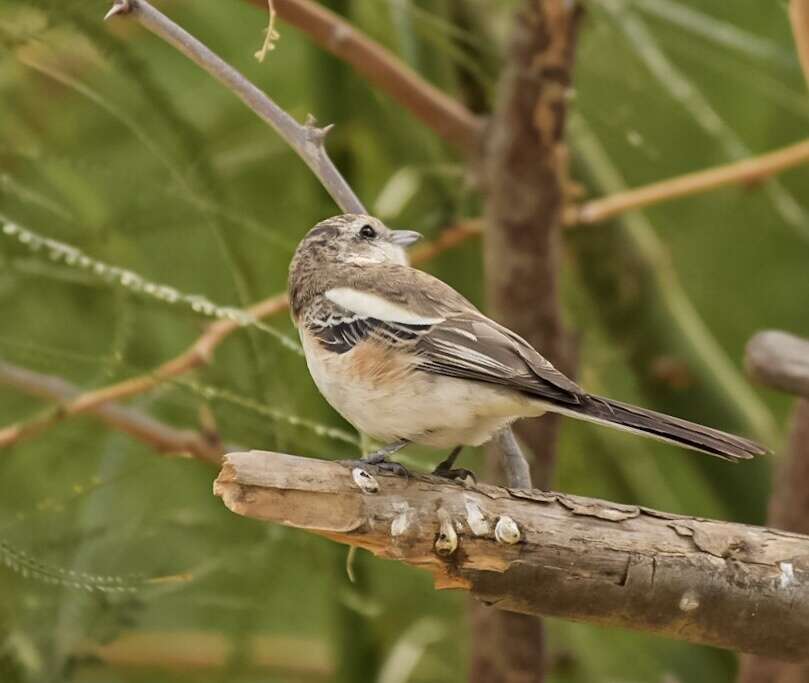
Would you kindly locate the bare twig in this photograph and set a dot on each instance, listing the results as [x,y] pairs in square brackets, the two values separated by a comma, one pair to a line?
[440,112]
[270,34]
[447,240]
[287,658]
[306,140]
[747,171]
[799,18]
[162,437]
[715,583]
[779,360]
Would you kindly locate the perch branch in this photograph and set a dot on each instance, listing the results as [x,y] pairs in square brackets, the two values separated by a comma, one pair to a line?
[779,360]
[715,583]
[307,140]
[438,111]
[160,436]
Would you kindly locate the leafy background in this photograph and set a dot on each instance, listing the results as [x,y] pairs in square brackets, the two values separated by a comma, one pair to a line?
[112,143]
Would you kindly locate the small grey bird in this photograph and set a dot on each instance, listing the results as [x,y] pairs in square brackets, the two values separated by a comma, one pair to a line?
[406,359]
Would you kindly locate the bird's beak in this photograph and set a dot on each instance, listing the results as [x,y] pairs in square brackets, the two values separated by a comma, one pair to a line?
[404,238]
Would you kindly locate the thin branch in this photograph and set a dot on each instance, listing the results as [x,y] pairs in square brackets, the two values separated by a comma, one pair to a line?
[199,353]
[779,360]
[799,18]
[447,240]
[162,437]
[306,140]
[438,111]
[728,585]
[283,657]
[747,171]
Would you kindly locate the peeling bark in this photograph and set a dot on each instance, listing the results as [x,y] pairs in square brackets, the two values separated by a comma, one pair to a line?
[728,585]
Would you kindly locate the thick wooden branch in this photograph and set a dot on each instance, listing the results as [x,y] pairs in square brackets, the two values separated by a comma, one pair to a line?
[779,360]
[714,583]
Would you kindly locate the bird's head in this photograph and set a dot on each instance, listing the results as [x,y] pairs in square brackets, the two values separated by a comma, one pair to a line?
[355,239]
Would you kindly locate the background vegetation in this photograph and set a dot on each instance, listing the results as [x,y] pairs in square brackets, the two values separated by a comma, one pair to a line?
[118,561]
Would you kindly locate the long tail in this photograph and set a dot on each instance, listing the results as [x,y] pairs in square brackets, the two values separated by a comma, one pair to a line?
[663,428]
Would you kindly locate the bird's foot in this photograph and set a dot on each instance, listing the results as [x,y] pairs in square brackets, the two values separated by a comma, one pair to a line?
[455,473]
[447,470]
[379,459]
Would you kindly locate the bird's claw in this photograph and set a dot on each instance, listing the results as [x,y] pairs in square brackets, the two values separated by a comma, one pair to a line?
[455,474]
[380,461]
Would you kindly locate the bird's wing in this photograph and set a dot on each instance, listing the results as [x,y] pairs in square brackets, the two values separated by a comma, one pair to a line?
[410,310]
[471,346]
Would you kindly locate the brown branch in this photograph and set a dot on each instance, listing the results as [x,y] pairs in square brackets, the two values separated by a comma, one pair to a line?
[437,110]
[197,651]
[799,18]
[162,437]
[779,360]
[715,583]
[306,140]
[747,171]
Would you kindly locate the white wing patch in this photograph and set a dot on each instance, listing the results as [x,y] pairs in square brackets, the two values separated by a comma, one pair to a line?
[369,305]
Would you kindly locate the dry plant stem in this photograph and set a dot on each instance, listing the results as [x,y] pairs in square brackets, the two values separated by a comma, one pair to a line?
[160,436]
[779,360]
[307,140]
[715,583]
[748,171]
[185,651]
[437,110]
[799,18]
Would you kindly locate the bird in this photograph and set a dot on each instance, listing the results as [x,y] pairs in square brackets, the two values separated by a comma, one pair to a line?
[405,358]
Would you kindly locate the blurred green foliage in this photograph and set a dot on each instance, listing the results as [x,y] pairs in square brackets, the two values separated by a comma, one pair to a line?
[114,144]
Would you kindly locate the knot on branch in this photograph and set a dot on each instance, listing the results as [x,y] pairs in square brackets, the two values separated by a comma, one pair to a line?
[119,7]
[315,134]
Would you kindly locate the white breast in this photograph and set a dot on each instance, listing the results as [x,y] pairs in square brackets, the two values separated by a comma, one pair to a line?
[391,400]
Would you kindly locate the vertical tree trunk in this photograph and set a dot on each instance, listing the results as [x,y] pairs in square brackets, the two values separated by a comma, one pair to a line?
[789,510]
[525,171]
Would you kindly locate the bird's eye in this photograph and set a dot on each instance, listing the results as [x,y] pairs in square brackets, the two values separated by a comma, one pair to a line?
[367,232]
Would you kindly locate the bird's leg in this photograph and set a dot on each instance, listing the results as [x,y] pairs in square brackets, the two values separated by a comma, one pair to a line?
[445,467]
[379,458]
[518,474]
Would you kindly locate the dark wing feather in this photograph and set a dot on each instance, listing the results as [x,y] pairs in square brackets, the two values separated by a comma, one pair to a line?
[340,330]
[471,346]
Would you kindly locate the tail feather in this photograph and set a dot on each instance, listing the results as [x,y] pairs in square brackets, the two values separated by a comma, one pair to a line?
[663,428]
